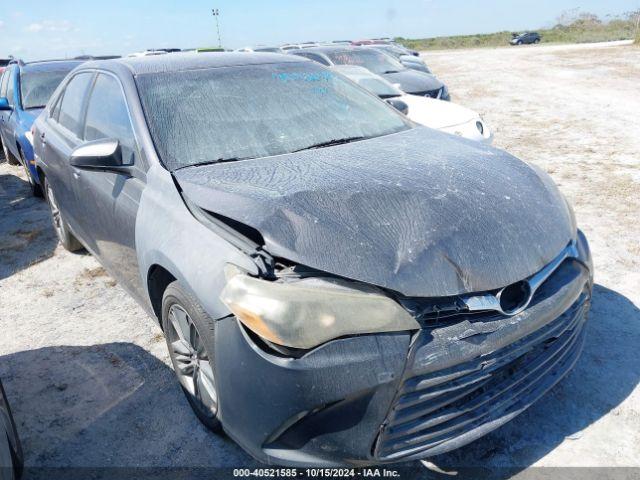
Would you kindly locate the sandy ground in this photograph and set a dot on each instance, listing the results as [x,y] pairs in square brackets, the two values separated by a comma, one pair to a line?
[88,374]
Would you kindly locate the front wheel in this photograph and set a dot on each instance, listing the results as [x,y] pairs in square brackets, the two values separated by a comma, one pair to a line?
[11,160]
[537,40]
[189,332]
[67,239]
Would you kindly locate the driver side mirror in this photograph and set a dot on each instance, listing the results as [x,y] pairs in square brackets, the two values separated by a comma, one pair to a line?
[398,105]
[4,104]
[104,154]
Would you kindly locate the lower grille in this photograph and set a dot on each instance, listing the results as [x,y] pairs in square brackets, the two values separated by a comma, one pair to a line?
[437,411]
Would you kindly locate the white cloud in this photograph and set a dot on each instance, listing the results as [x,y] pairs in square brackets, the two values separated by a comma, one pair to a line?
[50,26]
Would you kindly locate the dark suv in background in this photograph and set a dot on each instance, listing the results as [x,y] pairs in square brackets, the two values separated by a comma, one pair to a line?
[525,38]
[408,80]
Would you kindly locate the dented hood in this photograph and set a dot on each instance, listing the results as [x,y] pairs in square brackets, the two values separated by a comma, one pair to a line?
[418,212]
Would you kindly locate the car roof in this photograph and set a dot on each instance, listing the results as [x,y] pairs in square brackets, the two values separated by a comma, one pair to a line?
[50,65]
[193,61]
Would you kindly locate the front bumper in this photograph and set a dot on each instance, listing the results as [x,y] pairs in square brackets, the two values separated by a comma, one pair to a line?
[375,399]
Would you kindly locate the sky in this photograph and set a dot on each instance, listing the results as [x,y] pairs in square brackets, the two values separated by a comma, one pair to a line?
[40,29]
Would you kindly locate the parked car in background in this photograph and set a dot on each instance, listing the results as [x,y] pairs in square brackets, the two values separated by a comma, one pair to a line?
[11,459]
[147,53]
[95,57]
[385,41]
[3,63]
[444,116]
[25,89]
[525,38]
[336,284]
[409,61]
[408,80]
[263,49]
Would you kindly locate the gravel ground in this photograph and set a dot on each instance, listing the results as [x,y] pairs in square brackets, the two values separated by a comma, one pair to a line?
[88,374]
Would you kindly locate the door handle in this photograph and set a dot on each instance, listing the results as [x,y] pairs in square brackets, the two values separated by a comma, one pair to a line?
[42,138]
[76,175]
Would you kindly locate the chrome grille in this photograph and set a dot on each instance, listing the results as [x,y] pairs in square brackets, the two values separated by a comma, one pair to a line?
[442,409]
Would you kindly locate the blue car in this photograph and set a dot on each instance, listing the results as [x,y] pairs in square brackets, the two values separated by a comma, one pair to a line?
[25,88]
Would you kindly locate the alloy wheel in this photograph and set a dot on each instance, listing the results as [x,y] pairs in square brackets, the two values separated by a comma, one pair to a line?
[191,360]
[55,213]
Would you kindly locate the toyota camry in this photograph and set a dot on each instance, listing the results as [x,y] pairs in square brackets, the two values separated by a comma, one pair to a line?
[336,284]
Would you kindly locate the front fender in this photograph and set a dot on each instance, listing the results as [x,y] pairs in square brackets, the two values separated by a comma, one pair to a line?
[168,235]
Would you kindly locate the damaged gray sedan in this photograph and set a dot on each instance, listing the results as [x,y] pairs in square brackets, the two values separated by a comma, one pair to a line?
[337,285]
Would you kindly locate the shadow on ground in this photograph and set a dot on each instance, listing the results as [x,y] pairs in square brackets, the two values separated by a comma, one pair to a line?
[26,233]
[118,405]
[108,405]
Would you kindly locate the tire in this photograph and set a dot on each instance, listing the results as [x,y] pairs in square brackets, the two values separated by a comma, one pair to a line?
[36,190]
[190,333]
[66,238]
[7,467]
[11,160]
[536,41]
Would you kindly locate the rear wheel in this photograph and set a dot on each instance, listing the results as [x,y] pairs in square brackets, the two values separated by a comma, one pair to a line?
[35,188]
[537,40]
[67,239]
[11,160]
[189,332]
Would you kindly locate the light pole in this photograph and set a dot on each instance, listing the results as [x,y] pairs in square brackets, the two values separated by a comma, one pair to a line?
[216,14]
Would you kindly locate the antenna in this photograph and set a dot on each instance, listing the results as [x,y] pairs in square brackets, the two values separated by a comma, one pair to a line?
[216,13]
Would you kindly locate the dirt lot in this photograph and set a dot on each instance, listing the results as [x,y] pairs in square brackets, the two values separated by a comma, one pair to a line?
[88,374]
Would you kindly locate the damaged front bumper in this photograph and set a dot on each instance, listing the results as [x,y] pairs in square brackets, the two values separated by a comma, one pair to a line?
[389,397]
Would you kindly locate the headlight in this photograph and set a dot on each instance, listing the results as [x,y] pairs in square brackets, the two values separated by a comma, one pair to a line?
[306,312]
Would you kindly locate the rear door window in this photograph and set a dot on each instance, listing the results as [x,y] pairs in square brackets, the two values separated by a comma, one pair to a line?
[71,107]
[108,116]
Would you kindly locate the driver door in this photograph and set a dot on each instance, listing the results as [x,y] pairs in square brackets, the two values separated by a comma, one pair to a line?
[110,199]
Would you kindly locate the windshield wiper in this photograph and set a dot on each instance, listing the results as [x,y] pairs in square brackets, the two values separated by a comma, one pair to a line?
[391,71]
[329,143]
[218,160]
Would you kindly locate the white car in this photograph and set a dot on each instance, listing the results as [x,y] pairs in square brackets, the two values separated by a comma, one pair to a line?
[440,115]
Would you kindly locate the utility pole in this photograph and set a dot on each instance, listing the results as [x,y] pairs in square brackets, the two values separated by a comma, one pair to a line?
[216,14]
